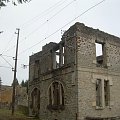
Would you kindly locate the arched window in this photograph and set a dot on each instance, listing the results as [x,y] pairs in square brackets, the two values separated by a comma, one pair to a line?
[35,103]
[56,96]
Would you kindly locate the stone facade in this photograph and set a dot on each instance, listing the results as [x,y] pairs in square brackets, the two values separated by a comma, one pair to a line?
[69,81]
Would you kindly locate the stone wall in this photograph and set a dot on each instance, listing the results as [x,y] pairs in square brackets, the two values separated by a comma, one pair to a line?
[89,72]
[65,74]
[78,75]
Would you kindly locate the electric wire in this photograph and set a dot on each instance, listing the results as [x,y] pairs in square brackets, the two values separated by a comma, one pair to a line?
[5,67]
[8,44]
[49,19]
[56,5]
[64,26]
[9,48]
[41,25]
[6,61]
[6,55]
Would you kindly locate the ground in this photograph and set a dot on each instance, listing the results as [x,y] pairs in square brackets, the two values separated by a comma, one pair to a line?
[6,115]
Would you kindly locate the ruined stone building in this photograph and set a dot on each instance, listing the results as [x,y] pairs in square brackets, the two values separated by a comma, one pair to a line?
[70,80]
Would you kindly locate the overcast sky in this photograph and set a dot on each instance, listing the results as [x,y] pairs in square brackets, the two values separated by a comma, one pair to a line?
[39,19]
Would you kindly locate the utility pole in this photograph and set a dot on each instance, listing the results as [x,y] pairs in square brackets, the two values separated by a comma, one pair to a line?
[0,91]
[15,70]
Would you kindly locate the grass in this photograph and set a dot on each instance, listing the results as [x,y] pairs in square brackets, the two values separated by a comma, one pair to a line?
[6,115]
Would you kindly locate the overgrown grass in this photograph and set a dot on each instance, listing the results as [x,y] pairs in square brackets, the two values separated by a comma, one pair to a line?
[18,115]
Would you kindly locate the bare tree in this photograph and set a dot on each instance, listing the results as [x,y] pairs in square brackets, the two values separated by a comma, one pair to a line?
[3,3]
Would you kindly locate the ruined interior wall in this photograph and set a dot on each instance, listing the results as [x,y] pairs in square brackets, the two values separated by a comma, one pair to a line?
[46,62]
[64,74]
[32,60]
[70,47]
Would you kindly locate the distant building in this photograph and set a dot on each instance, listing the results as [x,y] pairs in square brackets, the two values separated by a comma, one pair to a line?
[6,96]
[21,96]
[70,80]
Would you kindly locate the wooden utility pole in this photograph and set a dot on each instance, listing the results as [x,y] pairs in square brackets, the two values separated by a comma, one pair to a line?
[0,91]
[15,70]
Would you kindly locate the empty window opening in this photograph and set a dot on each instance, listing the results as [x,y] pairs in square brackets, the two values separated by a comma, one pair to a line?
[56,95]
[63,57]
[99,53]
[35,103]
[36,69]
[57,58]
[106,92]
[99,92]
[102,93]
[63,49]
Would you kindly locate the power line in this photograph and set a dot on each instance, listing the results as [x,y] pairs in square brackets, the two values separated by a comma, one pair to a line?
[6,61]
[49,18]
[9,49]
[8,44]
[6,55]
[44,23]
[5,67]
[64,26]
[56,5]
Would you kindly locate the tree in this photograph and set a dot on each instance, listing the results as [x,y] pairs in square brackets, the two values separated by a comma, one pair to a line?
[22,83]
[16,82]
[25,84]
[3,3]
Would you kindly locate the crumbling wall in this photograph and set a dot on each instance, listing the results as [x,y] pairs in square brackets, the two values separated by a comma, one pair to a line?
[89,72]
[78,74]
[65,74]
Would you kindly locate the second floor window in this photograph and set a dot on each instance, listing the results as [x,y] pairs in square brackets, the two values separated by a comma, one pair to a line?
[36,69]
[99,53]
[58,56]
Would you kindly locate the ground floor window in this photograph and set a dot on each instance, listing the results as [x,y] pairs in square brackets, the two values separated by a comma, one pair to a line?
[56,96]
[35,101]
[102,93]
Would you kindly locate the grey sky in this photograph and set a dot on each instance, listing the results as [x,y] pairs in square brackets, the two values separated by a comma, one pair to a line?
[37,21]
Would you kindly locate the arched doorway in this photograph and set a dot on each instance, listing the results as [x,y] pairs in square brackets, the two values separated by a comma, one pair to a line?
[35,104]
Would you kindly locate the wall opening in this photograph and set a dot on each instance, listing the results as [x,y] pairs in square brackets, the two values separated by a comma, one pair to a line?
[35,103]
[63,57]
[106,92]
[99,53]
[56,96]
[98,92]
[57,53]
[102,93]
[36,69]
[58,56]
